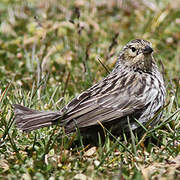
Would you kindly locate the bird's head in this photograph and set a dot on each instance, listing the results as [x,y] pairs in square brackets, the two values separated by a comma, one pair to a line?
[137,54]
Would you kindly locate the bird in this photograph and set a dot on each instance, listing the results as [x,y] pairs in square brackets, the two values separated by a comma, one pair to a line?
[130,96]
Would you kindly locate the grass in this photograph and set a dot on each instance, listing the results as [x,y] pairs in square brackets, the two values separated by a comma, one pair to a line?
[52,50]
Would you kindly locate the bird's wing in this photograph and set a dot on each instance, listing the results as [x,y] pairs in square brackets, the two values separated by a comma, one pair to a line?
[110,102]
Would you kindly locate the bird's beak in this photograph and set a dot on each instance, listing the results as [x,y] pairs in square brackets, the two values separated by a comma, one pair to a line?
[147,50]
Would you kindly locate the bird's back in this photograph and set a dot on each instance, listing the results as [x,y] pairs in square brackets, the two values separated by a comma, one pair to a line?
[129,94]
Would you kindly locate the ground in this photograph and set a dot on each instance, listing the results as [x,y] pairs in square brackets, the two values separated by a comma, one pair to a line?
[50,51]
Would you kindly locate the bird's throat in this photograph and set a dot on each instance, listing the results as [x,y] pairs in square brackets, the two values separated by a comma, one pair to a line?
[143,62]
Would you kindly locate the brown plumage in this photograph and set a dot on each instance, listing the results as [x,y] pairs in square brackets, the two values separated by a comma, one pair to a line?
[134,89]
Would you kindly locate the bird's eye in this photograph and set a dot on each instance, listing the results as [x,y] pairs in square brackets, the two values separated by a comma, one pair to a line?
[133,49]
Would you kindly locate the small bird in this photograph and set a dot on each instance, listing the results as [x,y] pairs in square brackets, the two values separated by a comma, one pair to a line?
[133,91]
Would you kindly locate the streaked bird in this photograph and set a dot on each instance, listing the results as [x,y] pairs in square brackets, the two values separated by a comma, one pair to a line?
[133,91]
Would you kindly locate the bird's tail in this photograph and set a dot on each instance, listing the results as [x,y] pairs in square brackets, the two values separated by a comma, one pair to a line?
[28,119]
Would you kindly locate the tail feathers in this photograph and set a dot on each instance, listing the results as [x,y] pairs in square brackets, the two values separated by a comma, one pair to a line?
[28,119]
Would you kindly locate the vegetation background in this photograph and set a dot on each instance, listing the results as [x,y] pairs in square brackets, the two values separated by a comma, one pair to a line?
[51,50]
